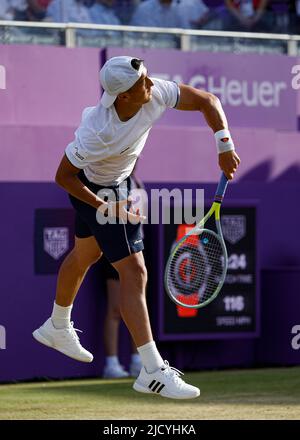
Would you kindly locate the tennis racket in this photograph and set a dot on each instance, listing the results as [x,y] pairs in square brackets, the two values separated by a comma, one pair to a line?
[197,266]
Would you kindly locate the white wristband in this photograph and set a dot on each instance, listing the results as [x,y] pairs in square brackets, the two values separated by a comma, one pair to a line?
[224,141]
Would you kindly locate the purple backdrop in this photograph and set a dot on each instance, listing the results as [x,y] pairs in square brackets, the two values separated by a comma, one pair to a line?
[50,85]
[27,298]
[40,108]
[47,86]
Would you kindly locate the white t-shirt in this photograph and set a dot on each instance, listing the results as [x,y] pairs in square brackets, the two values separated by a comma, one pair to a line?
[107,148]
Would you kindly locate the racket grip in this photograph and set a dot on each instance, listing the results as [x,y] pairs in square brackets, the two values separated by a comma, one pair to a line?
[221,188]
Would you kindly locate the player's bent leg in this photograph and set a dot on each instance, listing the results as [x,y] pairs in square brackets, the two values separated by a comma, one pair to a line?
[133,279]
[164,380]
[64,338]
[85,253]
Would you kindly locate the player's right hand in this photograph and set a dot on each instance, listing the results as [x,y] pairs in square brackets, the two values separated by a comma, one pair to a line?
[120,209]
[229,162]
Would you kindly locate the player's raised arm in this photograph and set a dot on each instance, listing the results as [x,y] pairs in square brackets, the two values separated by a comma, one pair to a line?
[192,99]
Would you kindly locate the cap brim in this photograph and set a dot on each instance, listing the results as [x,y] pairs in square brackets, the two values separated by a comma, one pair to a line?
[107,100]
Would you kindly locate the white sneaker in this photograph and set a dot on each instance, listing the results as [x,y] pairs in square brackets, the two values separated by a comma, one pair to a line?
[135,368]
[165,381]
[64,340]
[114,372]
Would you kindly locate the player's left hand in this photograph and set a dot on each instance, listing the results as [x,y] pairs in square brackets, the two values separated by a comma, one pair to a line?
[229,162]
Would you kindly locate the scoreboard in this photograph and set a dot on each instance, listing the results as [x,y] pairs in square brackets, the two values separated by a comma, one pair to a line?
[235,311]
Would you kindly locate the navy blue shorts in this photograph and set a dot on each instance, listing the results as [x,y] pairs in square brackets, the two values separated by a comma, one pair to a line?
[117,241]
[107,271]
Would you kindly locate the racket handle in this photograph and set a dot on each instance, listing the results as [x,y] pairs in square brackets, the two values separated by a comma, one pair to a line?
[221,189]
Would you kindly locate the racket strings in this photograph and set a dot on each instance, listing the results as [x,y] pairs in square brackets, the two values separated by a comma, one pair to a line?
[196,268]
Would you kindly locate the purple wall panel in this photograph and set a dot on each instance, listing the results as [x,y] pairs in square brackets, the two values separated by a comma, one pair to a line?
[47,85]
[189,154]
[26,299]
[279,342]
[32,153]
[184,154]
[42,104]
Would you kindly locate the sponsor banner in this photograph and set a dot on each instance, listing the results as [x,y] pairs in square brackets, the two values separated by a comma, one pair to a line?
[38,121]
[253,89]
[233,227]
[53,238]
[56,83]
[56,241]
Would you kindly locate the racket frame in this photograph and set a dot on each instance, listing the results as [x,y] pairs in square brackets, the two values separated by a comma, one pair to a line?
[215,209]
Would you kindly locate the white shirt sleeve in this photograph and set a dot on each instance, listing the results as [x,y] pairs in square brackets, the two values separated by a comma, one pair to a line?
[168,90]
[80,156]
[76,155]
[87,146]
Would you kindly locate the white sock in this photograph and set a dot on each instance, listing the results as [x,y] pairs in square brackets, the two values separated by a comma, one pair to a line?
[135,358]
[112,361]
[151,359]
[61,316]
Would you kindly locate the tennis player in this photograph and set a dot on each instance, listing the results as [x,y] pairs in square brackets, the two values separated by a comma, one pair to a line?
[99,161]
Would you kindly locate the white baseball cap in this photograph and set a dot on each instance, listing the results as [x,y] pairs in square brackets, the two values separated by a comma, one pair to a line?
[117,76]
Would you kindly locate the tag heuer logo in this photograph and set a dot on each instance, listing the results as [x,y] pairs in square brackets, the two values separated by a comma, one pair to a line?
[233,227]
[56,241]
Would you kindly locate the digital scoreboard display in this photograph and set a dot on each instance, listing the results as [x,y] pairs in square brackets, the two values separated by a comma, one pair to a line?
[234,313]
